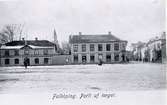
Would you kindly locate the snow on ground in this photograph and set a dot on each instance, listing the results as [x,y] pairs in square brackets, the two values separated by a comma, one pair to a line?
[134,84]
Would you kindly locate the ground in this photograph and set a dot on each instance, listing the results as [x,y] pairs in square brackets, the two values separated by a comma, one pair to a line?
[124,80]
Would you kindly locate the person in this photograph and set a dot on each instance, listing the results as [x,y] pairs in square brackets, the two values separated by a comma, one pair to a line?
[67,60]
[25,62]
[100,62]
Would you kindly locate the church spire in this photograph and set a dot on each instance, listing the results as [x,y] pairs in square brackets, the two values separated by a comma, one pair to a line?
[55,37]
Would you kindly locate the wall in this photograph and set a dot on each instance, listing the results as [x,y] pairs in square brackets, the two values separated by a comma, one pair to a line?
[61,59]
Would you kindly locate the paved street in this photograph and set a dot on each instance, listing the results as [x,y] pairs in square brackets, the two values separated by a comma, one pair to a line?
[77,78]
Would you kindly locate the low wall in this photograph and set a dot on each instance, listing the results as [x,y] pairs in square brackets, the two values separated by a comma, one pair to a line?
[61,59]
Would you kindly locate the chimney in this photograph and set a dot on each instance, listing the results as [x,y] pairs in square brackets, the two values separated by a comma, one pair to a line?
[109,33]
[80,33]
[36,38]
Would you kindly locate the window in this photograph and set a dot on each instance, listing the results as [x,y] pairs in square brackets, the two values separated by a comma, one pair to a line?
[26,52]
[123,47]
[92,58]
[45,52]
[100,47]
[92,47]
[100,56]
[75,58]
[108,58]
[36,52]
[116,57]
[75,47]
[16,52]
[7,61]
[6,52]
[116,46]
[46,60]
[84,48]
[16,61]
[83,58]
[36,60]
[108,47]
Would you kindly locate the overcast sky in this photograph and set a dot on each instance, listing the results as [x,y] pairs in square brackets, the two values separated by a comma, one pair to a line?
[131,20]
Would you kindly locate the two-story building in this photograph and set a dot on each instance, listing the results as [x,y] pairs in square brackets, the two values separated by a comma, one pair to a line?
[92,48]
[38,52]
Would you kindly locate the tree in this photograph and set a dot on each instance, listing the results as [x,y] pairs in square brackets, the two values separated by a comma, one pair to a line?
[66,48]
[11,32]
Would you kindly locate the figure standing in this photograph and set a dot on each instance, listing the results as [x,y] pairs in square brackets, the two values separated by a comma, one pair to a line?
[25,62]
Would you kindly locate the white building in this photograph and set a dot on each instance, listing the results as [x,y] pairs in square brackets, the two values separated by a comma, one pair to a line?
[38,52]
[91,48]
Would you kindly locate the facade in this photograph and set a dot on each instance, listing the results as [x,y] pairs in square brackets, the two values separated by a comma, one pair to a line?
[152,51]
[38,52]
[93,48]
[137,49]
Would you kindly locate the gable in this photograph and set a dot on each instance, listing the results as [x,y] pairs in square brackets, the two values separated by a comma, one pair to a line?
[26,47]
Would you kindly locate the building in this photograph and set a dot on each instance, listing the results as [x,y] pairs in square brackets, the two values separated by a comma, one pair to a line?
[156,48]
[152,51]
[136,49]
[93,48]
[38,52]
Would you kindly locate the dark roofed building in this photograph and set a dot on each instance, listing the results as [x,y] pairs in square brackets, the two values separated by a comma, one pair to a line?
[93,48]
[38,52]
[30,42]
[93,38]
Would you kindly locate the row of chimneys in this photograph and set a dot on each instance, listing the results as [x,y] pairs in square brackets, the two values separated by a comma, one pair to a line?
[109,33]
[35,39]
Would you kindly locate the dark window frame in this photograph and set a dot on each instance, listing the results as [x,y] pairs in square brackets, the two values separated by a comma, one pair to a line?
[92,58]
[75,58]
[36,60]
[16,52]
[92,47]
[7,61]
[84,58]
[83,47]
[100,47]
[75,47]
[108,47]
[16,61]
[46,60]
[108,58]
[7,53]
[116,46]
[116,57]
[45,52]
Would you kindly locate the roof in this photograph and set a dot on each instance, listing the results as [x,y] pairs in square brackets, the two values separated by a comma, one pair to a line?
[10,47]
[44,43]
[93,38]
[22,47]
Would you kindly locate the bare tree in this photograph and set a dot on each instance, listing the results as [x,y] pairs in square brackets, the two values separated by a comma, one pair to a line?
[66,47]
[11,32]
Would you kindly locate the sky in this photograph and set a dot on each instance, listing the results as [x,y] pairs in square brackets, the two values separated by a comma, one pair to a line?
[131,20]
